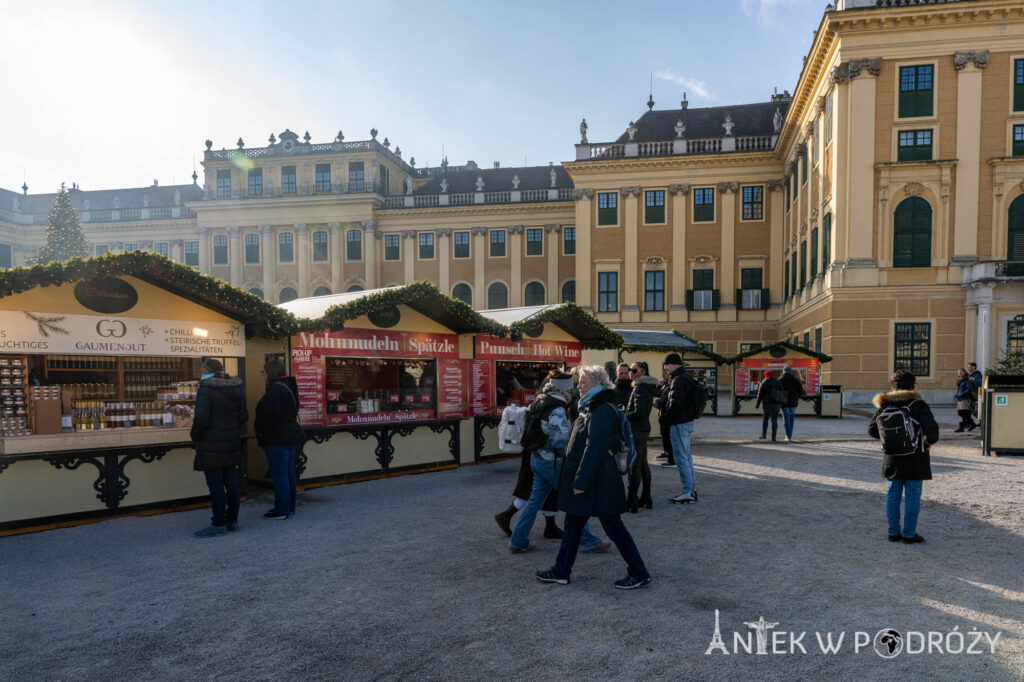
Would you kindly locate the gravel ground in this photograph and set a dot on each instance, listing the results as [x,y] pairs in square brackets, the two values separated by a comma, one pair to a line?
[410,579]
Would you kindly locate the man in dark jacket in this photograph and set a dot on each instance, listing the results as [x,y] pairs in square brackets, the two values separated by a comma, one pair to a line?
[279,434]
[623,385]
[906,472]
[768,394]
[682,392]
[794,389]
[217,429]
[591,485]
[638,411]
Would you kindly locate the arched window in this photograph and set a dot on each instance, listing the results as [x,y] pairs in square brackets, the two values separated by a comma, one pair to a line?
[497,296]
[256,292]
[354,287]
[463,293]
[534,294]
[912,234]
[322,291]
[569,291]
[288,294]
[1015,230]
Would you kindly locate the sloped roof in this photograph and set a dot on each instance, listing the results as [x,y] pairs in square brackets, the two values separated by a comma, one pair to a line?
[103,199]
[654,337]
[749,119]
[569,317]
[498,179]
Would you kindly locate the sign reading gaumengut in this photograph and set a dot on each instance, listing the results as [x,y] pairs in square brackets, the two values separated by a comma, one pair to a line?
[30,332]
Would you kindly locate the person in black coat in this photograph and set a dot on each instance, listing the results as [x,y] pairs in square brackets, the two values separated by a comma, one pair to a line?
[591,485]
[217,429]
[638,411]
[279,434]
[965,391]
[906,472]
[664,428]
[794,389]
[768,403]
[623,385]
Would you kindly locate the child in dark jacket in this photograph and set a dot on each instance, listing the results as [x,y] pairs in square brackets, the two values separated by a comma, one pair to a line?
[906,472]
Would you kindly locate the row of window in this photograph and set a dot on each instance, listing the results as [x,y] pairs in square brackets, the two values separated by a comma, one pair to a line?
[322,179]
[497,294]
[809,155]
[703,206]
[803,266]
[703,295]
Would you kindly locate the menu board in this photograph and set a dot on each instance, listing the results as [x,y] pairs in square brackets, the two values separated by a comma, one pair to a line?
[481,387]
[813,385]
[310,377]
[742,381]
[451,388]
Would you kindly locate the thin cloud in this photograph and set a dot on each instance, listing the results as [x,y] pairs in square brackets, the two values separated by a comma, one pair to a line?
[764,11]
[692,85]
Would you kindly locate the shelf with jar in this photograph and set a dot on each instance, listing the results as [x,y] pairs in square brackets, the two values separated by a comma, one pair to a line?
[14,418]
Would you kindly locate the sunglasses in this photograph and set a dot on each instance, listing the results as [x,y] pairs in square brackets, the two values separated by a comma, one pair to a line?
[633,370]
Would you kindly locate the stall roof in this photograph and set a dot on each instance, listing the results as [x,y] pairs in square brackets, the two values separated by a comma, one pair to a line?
[260,317]
[424,297]
[781,344]
[569,317]
[657,340]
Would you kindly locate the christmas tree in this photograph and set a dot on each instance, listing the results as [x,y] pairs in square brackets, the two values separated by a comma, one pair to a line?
[1010,362]
[64,237]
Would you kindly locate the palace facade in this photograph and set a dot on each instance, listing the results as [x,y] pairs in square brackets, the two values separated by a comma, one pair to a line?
[874,214]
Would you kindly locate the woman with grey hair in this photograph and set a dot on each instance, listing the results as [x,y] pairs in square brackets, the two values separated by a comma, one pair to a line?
[591,484]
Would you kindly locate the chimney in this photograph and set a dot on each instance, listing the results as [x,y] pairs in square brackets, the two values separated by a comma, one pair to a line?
[684,104]
[497,164]
[156,183]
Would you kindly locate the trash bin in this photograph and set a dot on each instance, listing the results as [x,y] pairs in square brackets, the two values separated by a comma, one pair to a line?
[1003,415]
[832,401]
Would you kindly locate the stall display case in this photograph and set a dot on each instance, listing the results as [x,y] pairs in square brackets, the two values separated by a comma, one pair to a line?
[750,368]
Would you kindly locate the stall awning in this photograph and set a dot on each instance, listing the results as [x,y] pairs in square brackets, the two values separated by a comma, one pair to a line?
[660,340]
[569,317]
[424,297]
[780,348]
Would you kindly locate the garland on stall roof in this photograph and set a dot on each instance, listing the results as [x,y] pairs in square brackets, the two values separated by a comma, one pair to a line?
[702,348]
[157,269]
[780,344]
[384,300]
[600,336]
[698,348]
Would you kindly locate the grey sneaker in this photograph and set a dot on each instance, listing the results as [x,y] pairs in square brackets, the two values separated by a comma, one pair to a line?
[688,498]
[631,582]
[551,577]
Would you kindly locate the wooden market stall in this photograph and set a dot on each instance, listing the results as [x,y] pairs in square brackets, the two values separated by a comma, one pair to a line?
[99,363]
[751,366]
[651,346]
[510,370]
[383,378]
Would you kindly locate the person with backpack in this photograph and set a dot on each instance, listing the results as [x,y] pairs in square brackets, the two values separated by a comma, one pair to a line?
[770,398]
[905,426]
[685,403]
[591,483]
[544,440]
[524,487]
[965,391]
[794,389]
[278,432]
[218,425]
[638,411]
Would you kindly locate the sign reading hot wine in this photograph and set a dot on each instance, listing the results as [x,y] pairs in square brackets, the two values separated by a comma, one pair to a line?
[528,350]
[378,343]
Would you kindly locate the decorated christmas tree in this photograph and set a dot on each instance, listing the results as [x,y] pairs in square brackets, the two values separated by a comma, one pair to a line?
[1010,362]
[64,237]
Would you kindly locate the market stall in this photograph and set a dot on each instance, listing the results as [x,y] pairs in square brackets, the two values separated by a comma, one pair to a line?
[651,346]
[510,371]
[386,367]
[99,366]
[751,366]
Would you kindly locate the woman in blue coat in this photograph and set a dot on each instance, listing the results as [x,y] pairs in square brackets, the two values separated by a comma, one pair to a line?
[591,484]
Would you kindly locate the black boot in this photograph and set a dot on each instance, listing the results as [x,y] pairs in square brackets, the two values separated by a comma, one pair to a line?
[551,531]
[504,519]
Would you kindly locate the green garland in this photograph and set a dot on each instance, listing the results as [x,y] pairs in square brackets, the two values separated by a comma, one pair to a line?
[468,320]
[780,344]
[159,270]
[601,337]
[704,350]
[698,348]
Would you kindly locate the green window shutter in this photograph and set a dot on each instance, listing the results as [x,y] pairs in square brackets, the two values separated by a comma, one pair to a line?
[1015,237]
[785,281]
[912,234]
[908,104]
[924,102]
[689,299]
[716,299]
[766,302]
[739,298]
[922,239]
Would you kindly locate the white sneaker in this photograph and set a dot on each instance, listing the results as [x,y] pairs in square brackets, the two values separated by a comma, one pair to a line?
[787,439]
[688,498]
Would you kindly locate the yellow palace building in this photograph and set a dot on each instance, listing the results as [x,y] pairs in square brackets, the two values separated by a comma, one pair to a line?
[874,214]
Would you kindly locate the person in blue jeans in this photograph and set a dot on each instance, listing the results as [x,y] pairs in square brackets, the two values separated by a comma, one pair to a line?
[794,389]
[591,484]
[906,473]
[279,434]
[546,463]
[678,414]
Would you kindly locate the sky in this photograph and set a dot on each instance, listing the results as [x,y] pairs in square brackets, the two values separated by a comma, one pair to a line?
[119,94]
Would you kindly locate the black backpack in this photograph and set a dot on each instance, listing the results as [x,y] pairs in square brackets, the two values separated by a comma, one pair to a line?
[898,431]
[696,399]
[534,437]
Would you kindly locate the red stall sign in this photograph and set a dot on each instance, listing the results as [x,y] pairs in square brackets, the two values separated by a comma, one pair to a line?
[451,384]
[378,343]
[310,378]
[528,350]
[481,387]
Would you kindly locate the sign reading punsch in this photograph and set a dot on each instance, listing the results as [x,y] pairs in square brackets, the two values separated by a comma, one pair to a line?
[528,350]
